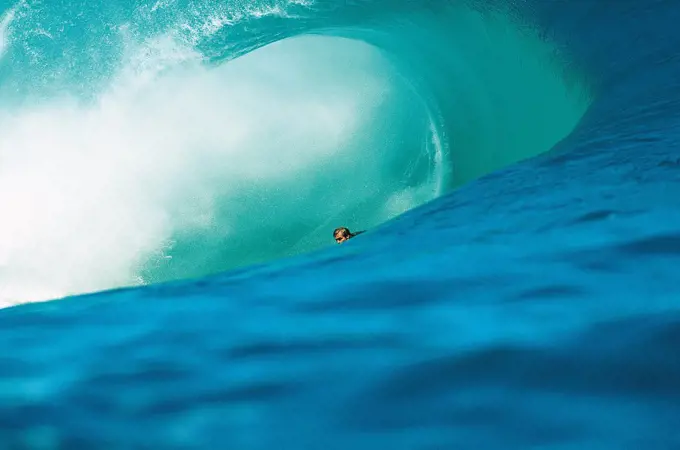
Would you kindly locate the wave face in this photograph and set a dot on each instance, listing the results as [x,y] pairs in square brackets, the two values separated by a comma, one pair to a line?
[516,164]
[149,142]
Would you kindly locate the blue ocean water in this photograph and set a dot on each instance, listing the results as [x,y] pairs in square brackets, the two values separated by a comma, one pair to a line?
[515,163]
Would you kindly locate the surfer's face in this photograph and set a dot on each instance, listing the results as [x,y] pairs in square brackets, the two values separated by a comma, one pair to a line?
[341,237]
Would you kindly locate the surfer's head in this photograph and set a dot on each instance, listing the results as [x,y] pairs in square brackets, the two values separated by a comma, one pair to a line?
[341,234]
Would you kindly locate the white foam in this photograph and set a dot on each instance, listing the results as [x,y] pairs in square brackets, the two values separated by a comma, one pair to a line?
[89,194]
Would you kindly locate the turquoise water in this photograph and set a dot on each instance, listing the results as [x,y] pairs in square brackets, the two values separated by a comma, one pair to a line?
[515,164]
[152,141]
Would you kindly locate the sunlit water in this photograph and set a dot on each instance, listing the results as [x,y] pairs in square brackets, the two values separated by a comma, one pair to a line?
[173,141]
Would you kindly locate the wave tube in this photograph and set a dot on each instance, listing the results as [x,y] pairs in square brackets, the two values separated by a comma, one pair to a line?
[179,142]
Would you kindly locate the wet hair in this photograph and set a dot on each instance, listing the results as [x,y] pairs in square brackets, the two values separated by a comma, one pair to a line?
[344,230]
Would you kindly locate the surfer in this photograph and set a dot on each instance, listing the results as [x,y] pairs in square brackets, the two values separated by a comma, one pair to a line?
[342,234]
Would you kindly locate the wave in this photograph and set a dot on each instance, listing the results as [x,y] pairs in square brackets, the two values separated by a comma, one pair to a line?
[536,305]
[174,142]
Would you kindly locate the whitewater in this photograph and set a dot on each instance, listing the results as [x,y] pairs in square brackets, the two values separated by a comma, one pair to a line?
[171,173]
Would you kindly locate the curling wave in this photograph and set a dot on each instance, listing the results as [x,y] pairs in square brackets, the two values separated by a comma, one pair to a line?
[171,142]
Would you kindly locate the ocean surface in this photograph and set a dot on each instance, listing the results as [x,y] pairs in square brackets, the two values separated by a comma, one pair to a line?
[171,172]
